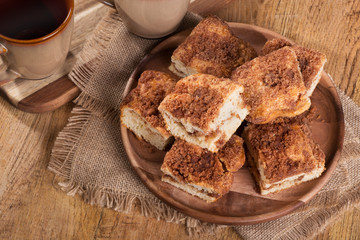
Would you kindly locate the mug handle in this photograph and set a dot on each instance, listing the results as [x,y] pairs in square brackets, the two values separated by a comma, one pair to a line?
[109,3]
[6,74]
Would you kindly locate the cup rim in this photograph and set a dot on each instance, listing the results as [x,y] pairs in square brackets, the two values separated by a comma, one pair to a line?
[48,36]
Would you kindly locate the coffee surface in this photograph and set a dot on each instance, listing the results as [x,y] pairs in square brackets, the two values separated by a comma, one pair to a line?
[30,19]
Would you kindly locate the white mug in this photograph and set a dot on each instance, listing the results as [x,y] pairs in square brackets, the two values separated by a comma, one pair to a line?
[41,56]
[150,18]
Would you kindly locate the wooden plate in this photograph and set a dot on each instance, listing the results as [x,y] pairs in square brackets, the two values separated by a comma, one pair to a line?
[243,204]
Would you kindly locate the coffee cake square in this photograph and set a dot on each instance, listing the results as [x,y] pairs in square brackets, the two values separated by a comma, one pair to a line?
[311,61]
[202,173]
[273,86]
[139,109]
[204,110]
[211,48]
[282,154]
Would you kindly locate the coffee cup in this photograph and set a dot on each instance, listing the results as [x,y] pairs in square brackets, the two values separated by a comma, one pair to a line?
[150,18]
[35,37]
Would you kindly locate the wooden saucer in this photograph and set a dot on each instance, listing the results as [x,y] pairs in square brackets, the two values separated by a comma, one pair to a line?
[37,96]
[243,204]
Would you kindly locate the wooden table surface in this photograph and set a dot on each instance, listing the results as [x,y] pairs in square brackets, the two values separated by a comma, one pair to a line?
[32,208]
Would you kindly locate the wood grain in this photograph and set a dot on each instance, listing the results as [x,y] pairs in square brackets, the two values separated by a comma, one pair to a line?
[197,6]
[31,208]
[50,97]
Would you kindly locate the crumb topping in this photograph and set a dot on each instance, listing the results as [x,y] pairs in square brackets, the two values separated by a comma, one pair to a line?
[273,45]
[271,83]
[233,154]
[310,62]
[213,49]
[198,98]
[152,88]
[192,164]
[284,148]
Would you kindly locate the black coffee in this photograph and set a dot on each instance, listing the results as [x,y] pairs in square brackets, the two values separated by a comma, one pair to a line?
[30,19]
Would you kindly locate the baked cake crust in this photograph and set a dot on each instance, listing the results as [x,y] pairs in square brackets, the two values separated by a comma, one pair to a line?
[189,166]
[311,62]
[282,152]
[273,45]
[232,155]
[198,99]
[211,48]
[143,102]
[311,65]
[273,86]
[204,110]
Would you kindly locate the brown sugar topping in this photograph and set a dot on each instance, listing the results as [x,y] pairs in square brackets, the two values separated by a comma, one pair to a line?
[273,45]
[284,148]
[310,60]
[193,164]
[198,98]
[310,63]
[152,88]
[271,83]
[233,154]
[213,49]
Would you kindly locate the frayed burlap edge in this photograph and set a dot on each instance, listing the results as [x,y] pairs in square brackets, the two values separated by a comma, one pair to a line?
[88,61]
[67,141]
[322,218]
[98,107]
[125,202]
[60,163]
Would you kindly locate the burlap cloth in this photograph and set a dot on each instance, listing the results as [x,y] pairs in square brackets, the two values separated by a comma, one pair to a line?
[89,157]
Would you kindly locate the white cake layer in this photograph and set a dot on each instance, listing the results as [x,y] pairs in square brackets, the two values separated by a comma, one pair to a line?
[142,129]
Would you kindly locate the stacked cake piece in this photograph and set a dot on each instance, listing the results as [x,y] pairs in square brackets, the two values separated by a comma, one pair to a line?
[204,110]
